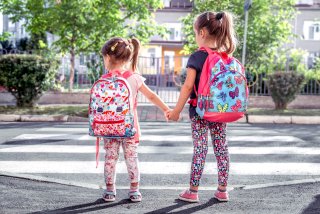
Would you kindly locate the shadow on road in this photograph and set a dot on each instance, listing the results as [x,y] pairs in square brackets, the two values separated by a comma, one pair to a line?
[314,207]
[32,142]
[99,204]
[180,203]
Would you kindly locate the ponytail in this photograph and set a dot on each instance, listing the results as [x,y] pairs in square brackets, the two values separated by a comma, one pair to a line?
[136,47]
[220,28]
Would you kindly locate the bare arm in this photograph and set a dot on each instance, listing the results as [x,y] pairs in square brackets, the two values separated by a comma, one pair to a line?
[184,93]
[153,97]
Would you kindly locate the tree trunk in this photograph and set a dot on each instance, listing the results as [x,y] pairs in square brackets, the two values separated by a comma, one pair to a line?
[72,63]
[281,105]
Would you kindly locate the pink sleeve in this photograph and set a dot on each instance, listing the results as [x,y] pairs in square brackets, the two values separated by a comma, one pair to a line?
[138,79]
[136,82]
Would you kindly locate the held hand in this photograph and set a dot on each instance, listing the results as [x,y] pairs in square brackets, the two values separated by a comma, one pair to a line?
[166,114]
[173,115]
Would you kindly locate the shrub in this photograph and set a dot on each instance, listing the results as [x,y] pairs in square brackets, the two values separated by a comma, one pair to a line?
[284,87]
[26,76]
[286,76]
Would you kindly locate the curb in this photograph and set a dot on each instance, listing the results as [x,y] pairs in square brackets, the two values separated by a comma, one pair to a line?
[315,120]
[203,188]
[271,119]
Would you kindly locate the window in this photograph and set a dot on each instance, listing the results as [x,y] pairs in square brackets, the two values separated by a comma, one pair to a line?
[308,2]
[169,61]
[152,54]
[174,31]
[81,59]
[166,3]
[312,59]
[311,30]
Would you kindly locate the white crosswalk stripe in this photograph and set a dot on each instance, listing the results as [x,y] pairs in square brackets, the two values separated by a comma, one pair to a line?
[257,138]
[160,168]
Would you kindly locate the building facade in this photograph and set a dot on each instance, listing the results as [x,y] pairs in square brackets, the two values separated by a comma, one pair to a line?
[307,28]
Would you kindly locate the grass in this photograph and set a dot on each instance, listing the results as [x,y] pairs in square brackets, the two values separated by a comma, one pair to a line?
[82,111]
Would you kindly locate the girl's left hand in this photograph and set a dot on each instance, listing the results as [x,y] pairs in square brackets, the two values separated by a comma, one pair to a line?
[173,115]
[166,114]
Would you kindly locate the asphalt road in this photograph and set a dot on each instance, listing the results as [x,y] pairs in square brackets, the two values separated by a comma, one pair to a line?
[274,169]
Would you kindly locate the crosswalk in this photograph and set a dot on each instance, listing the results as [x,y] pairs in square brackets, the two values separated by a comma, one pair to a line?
[65,151]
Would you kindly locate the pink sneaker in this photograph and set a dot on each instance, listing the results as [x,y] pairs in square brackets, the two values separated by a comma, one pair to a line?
[189,196]
[221,196]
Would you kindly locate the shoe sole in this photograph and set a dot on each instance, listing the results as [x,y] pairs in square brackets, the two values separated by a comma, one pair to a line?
[188,200]
[135,200]
[109,200]
[220,199]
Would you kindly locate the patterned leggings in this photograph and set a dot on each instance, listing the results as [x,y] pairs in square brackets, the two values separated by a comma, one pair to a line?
[112,147]
[200,143]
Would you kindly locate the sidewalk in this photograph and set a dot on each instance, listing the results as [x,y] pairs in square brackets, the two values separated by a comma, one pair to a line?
[151,113]
[21,195]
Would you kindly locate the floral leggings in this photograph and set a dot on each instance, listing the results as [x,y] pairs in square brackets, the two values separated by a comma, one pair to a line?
[200,143]
[112,147]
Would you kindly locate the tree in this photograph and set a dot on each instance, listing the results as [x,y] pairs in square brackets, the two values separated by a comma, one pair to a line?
[84,25]
[268,27]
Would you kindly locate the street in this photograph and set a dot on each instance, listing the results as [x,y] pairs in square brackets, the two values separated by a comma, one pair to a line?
[265,158]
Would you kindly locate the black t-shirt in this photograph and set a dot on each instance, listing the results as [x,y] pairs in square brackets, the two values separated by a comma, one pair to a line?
[196,61]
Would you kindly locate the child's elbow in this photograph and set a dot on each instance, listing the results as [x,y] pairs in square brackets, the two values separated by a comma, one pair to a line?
[152,97]
[188,87]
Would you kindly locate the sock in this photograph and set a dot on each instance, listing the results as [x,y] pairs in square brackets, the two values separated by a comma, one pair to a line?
[222,190]
[134,188]
[193,191]
[110,187]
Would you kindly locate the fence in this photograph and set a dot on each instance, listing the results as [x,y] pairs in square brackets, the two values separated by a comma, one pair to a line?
[163,75]
[258,86]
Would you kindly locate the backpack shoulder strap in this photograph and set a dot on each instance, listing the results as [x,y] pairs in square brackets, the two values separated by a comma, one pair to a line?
[223,55]
[208,50]
[127,74]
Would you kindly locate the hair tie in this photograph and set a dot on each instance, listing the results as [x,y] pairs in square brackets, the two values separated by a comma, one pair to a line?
[208,16]
[113,47]
[219,16]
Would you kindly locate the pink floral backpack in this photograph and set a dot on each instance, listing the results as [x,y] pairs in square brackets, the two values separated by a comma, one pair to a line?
[222,94]
[111,108]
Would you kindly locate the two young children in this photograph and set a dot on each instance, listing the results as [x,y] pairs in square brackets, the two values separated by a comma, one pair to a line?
[212,30]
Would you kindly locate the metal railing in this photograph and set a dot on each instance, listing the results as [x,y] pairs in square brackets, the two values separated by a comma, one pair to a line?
[164,77]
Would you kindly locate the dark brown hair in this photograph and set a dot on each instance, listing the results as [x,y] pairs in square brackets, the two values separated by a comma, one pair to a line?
[122,50]
[220,28]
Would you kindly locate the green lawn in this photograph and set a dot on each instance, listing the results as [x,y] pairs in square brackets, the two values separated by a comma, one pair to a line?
[82,111]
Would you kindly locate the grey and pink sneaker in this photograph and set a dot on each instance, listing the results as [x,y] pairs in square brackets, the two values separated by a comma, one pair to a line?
[189,196]
[221,196]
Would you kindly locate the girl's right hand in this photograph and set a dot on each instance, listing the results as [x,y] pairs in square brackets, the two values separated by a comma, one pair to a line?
[174,115]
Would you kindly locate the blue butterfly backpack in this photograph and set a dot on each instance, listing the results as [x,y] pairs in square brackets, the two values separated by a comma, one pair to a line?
[222,94]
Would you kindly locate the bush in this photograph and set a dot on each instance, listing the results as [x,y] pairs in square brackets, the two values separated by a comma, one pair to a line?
[284,87]
[26,77]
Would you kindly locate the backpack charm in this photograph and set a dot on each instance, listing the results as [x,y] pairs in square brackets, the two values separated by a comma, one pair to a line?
[222,93]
